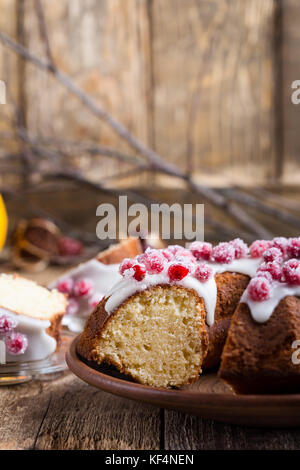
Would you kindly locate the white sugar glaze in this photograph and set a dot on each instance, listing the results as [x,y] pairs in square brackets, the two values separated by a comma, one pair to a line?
[40,344]
[102,276]
[261,311]
[207,290]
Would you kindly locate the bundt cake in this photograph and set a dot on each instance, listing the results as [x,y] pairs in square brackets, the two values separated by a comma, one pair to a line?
[30,319]
[259,354]
[155,323]
[168,318]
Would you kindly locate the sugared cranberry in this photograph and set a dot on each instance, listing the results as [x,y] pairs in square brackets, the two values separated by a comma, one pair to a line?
[65,286]
[174,248]
[281,243]
[273,254]
[177,272]
[82,288]
[240,248]
[93,302]
[201,250]
[258,248]
[70,247]
[139,272]
[291,272]
[293,248]
[223,253]
[259,289]
[72,307]
[203,272]
[127,263]
[167,254]
[7,324]
[16,343]
[264,274]
[273,268]
[154,261]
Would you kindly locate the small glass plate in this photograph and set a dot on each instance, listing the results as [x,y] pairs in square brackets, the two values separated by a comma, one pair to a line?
[14,373]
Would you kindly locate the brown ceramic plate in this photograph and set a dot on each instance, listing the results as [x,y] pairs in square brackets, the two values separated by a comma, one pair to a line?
[209,397]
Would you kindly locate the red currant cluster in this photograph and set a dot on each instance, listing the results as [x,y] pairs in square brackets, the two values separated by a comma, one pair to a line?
[15,343]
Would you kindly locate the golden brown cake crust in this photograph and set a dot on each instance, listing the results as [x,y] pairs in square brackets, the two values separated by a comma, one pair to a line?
[230,287]
[54,329]
[89,338]
[128,248]
[257,357]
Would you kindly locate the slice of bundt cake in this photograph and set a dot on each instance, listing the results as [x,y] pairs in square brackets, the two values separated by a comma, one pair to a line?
[259,355]
[30,318]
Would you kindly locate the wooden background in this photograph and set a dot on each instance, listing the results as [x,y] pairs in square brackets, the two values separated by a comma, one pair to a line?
[206,83]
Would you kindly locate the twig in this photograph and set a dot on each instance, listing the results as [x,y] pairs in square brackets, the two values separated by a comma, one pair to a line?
[152,157]
[43,31]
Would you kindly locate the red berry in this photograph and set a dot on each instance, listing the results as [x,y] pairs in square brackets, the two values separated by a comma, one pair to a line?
[65,286]
[259,247]
[223,253]
[293,248]
[154,261]
[201,250]
[177,272]
[72,307]
[240,248]
[127,263]
[264,274]
[167,254]
[82,288]
[273,268]
[203,272]
[16,343]
[259,289]
[273,254]
[281,243]
[291,272]
[70,247]
[139,272]
[7,324]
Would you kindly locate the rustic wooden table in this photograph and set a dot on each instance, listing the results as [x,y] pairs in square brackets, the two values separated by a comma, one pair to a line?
[66,413]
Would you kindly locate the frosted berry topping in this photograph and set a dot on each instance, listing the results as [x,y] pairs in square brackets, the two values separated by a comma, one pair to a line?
[281,243]
[167,254]
[259,289]
[154,261]
[273,254]
[72,307]
[7,324]
[177,272]
[223,253]
[174,248]
[293,248]
[127,263]
[82,288]
[65,286]
[203,272]
[258,248]
[138,272]
[264,274]
[291,272]
[273,268]
[240,248]
[201,250]
[16,343]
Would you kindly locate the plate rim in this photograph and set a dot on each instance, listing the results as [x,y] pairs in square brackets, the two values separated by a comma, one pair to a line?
[154,395]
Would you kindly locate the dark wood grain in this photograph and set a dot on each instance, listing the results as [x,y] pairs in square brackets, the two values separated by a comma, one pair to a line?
[69,414]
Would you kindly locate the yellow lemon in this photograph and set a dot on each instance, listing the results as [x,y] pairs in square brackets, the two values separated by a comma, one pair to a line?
[3,223]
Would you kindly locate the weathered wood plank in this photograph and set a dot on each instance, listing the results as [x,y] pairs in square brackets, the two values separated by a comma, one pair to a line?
[69,414]
[213,77]
[194,433]
[104,46]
